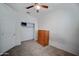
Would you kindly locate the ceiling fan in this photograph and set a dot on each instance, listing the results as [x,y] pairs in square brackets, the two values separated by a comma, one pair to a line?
[37,6]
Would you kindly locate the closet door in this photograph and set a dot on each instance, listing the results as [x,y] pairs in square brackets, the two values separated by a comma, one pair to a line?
[28,32]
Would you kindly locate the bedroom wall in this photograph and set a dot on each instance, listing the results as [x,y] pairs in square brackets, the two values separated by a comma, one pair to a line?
[63,24]
[7,28]
[28,19]
[10,29]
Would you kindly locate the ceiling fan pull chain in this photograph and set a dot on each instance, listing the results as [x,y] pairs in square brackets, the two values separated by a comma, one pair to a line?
[37,11]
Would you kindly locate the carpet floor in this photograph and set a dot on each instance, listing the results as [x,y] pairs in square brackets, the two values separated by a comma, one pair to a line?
[32,48]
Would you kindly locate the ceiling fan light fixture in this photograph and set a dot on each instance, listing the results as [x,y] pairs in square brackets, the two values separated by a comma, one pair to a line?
[37,7]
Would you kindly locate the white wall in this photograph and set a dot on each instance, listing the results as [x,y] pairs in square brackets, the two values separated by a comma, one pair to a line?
[28,19]
[7,28]
[10,28]
[63,24]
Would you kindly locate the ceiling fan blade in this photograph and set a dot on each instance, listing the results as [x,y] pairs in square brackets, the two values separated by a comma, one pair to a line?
[44,6]
[29,7]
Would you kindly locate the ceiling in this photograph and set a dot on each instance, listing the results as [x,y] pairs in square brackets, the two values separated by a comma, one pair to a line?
[21,7]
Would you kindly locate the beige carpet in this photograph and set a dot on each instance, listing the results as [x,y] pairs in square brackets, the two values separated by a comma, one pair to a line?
[32,48]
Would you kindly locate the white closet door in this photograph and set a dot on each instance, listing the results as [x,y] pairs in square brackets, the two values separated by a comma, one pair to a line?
[28,32]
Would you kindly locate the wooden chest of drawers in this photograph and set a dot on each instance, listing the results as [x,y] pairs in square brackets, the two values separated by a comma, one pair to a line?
[43,37]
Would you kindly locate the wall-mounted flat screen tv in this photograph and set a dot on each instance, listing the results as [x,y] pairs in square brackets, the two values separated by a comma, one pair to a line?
[23,24]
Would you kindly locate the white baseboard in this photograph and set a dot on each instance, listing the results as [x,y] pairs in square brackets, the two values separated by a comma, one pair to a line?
[65,48]
[10,48]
